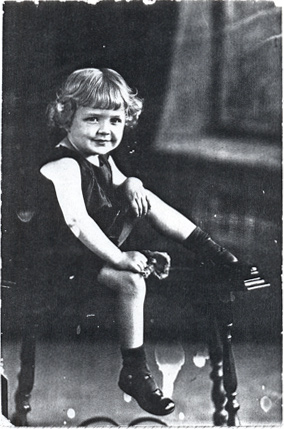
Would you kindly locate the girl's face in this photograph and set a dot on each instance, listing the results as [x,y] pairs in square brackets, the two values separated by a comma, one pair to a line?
[96,131]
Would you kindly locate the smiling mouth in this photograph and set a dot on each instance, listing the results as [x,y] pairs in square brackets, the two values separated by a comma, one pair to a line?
[101,142]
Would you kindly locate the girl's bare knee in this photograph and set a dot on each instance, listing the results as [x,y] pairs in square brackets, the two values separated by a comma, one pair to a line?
[107,277]
[124,282]
[103,276]
[135,285]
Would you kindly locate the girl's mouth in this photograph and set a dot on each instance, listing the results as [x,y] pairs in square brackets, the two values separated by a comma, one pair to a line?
[101,142]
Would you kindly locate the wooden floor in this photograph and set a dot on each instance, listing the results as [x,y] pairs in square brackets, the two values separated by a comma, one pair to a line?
[76,381]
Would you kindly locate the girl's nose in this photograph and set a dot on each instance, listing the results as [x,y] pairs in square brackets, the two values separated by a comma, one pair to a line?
[104,128]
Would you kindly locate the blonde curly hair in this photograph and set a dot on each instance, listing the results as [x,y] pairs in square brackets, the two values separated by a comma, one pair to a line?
[97,88]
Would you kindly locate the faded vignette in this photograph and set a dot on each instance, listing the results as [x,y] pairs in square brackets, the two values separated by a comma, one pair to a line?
[209,142]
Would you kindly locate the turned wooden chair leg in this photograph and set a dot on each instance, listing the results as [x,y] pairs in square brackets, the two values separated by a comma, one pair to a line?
[216,359]
[229,368]
[26,375]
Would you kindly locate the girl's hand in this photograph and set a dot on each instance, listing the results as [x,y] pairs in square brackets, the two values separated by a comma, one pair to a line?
[132,261]
[137,196]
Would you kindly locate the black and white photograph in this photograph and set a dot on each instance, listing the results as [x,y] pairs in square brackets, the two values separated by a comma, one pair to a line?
[141,213]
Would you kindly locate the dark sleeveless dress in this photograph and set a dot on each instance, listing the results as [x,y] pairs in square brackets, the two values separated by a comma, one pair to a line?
[57,259]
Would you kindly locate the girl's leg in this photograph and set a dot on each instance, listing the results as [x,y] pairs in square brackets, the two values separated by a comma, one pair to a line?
[219,261]
[135,377]
[130,289]
[167,220]
[173,224]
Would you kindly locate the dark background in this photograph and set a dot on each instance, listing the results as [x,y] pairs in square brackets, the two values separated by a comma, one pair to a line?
[209,73]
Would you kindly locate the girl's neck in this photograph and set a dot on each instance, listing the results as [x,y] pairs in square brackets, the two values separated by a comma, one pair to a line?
[93,159]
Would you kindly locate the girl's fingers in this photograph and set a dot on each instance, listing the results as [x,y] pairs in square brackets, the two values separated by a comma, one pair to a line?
[135,207]
[139,268]
[142,264]
[137,262]
[147,204]
[142,206]
[139,207]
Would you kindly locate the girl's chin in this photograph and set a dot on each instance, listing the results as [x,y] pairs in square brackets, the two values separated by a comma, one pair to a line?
[102,151]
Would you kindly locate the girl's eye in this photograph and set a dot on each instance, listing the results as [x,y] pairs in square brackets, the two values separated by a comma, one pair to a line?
[116,120]
[92,119]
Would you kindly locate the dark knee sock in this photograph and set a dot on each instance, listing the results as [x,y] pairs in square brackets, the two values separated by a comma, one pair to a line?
[206,249]
[134,358]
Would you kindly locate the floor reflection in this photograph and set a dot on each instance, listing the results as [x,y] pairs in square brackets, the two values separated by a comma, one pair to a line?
[77,381]
[170,358]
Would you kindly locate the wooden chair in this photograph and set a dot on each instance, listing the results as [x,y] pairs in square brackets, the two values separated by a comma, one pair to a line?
[216,305]
[208,294]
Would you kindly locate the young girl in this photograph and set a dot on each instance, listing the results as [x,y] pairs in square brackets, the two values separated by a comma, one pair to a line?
[97,201]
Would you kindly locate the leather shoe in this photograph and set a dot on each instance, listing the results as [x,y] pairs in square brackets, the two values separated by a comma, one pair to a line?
[141,385]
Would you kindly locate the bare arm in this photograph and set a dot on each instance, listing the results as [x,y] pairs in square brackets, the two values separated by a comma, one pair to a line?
[66,177]
[118,178]
[133,190]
